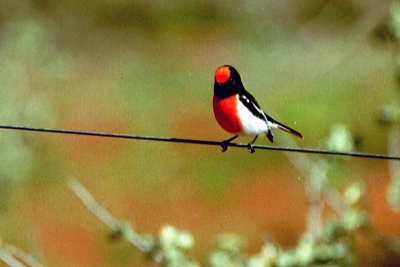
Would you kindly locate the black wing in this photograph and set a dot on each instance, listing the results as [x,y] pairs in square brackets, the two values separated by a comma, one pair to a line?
[284,127]
[250,102]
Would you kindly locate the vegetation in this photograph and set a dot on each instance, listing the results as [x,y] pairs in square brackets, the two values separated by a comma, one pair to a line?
[328,68]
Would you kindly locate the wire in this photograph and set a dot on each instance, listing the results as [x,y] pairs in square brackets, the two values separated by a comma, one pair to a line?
[202,142]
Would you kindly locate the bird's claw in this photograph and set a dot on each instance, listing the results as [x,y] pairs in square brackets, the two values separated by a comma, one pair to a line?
[225,143]
[251,148]
[224,146]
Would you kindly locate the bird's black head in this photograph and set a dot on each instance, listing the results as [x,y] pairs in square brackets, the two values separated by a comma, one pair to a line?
[227,82]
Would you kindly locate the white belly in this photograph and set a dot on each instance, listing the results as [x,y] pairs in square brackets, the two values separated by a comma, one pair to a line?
[250,123]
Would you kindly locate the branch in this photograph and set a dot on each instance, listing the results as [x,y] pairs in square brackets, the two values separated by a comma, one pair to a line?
[22,255]
[16,257]
[121,228]
[10,260]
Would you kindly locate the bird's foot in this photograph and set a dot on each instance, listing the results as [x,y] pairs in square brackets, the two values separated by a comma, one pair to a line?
[224,145]
[250,145]
[251,148]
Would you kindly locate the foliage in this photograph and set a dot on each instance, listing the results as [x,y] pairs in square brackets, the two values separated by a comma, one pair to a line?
[135,66]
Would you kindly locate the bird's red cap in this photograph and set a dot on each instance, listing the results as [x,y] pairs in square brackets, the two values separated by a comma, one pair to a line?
[222,74]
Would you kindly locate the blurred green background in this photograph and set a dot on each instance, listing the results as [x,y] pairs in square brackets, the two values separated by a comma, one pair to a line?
[146,67]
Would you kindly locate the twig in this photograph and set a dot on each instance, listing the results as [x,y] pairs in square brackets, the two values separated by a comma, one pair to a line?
[9,259]
[317,189]
[22,255]
[114,224]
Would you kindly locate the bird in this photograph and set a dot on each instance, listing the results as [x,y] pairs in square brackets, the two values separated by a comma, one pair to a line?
[238,112]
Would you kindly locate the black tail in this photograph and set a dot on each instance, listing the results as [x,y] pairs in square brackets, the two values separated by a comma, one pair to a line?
[283,127]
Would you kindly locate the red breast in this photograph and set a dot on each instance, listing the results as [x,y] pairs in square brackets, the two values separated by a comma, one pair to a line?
[226,113]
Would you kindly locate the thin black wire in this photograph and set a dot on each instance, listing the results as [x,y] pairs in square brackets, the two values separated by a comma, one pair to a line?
[201,142]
